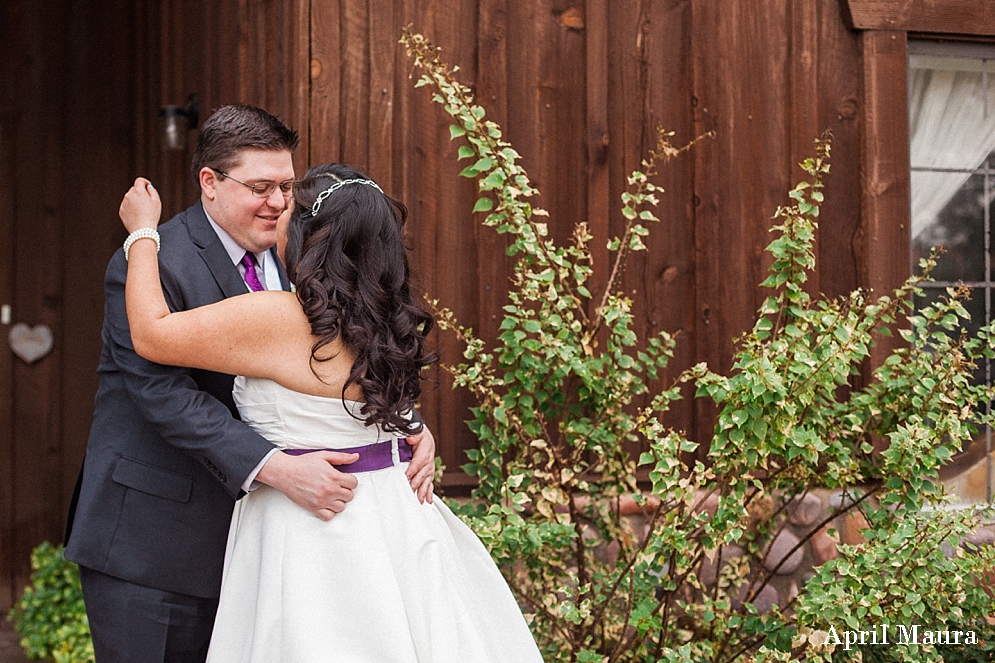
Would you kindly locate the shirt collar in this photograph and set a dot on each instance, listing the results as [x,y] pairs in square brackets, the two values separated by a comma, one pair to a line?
[235,252]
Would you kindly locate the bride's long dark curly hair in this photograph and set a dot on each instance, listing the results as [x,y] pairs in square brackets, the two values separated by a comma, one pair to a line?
[350,268]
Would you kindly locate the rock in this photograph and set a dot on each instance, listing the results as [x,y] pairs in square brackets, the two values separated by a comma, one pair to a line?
[984,536]
[850,533]
[627,505]
[780,549]
[709,571]
[610,552]
[707,504]
[840,499]
[792,593]
[766,599]
[763,601]
[804,511]
[823,547]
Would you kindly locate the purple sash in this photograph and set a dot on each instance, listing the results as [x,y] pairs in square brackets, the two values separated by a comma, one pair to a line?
[371,456]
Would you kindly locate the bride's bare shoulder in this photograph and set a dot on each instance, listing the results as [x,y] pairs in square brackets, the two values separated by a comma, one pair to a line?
[266,303]
[281,310]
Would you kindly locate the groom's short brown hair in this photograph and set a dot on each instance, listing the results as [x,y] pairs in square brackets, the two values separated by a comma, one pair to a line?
[237,127]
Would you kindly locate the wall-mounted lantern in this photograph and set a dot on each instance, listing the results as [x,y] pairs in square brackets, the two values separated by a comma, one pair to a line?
[176,121]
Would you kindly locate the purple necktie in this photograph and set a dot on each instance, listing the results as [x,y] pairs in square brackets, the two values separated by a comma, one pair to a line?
[249,261]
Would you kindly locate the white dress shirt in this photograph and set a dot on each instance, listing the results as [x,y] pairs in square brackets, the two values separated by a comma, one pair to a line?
[265,264]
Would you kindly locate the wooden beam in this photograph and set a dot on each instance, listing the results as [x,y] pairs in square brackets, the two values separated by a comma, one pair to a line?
[325,138]
[493,263]
[884,236]
[951,17]
[596,18]
[8,189]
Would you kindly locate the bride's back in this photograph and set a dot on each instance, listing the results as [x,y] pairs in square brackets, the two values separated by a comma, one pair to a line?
[345,254]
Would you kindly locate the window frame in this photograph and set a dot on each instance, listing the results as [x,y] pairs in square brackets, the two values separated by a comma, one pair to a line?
[885,27]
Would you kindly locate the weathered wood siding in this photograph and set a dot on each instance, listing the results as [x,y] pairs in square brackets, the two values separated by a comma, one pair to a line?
[67,111]
[579,87]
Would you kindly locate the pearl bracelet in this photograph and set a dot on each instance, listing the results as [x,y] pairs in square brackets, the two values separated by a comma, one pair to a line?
[141,233]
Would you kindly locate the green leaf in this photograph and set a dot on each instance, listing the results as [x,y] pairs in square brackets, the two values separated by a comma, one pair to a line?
[484,163]
[465,152]
[494,180]
[484,204]
[455,131]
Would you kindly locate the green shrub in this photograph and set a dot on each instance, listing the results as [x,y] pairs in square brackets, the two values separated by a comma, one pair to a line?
[557,400]
[50,617]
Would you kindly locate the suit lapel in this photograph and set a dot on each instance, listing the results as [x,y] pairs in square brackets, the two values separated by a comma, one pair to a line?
[213,253]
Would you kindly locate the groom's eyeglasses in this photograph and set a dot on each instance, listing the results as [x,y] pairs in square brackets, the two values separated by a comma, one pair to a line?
[263,189]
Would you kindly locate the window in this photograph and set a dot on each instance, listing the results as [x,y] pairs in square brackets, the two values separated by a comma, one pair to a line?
[952,151]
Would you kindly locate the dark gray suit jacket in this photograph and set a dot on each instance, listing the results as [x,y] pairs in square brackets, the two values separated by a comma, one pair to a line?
[167,456]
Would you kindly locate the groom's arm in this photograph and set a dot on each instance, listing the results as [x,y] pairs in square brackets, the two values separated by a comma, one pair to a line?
[203,427]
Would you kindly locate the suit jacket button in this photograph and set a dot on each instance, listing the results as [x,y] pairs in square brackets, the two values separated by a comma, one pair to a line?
[218,473]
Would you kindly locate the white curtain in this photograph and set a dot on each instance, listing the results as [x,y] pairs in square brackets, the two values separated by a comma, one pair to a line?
[951,125]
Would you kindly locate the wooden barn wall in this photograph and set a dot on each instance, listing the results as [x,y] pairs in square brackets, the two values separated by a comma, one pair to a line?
[579,88]
[66,111]
[251,51]
[81,84]
[578,85]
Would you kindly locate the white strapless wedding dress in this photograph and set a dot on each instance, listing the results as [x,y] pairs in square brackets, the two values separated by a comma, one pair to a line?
[387,580]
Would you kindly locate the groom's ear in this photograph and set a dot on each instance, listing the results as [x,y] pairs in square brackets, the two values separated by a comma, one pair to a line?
[208,183]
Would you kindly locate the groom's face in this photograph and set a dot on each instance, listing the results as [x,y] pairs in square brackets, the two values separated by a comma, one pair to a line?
[250,220]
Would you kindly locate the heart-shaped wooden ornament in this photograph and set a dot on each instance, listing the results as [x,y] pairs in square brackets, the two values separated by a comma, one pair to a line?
[31,344]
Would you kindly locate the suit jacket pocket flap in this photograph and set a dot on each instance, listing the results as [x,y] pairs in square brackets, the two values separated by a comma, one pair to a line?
[153,480]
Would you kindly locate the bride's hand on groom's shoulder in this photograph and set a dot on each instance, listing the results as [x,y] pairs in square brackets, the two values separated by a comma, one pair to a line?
[141,207]
[421,469]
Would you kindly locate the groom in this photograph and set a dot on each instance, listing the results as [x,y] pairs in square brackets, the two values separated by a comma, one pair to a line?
[167,456]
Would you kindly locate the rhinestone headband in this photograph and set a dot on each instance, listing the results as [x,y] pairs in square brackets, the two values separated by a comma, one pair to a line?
[338,185]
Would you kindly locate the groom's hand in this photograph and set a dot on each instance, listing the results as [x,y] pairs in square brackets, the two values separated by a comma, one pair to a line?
[311,480]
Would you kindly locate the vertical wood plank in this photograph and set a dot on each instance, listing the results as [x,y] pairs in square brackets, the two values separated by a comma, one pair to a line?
[100,83]
[803,101]
[273,67]
[383,35]
[457,271]
[354,97]
[494,265]
[37,258]
[171,62]
[546,110]
[146,157]
[415,125]
[884,234]
[298,63]
[324,140]
[740,60]
[598,140]
[8,188]
[840,99]
[440,224]
[13,59]
[661,279]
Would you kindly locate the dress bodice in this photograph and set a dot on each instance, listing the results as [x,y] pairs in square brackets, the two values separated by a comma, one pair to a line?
[291,419]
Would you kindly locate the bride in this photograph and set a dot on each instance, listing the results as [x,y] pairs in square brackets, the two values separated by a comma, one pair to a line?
[335,366]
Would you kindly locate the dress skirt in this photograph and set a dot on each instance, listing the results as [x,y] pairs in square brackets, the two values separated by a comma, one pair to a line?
[387,580]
